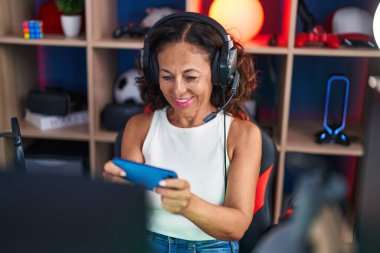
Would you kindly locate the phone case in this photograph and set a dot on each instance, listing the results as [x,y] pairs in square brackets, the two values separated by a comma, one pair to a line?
[143,174]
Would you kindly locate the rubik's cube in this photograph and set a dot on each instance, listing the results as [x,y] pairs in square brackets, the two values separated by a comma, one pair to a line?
[33,29]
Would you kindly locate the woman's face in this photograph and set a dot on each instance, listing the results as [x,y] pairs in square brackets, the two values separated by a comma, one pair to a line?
[185,79]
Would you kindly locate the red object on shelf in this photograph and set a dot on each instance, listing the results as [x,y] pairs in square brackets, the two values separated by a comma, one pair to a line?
[51,17]
[317,35]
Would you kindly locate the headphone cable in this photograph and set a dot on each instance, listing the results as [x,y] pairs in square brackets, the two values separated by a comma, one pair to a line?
[225,150]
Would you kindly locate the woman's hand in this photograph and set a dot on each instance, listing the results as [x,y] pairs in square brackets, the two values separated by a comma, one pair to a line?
[175,195]
[113,173]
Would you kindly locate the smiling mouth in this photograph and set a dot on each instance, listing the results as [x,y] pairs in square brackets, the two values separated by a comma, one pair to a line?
[184,102]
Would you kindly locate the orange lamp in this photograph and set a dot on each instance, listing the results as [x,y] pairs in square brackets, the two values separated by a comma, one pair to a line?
[243,19]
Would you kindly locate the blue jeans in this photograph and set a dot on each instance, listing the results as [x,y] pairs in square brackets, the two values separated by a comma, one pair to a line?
[165,244]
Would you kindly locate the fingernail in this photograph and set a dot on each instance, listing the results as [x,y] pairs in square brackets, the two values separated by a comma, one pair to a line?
[123,174]
[162,183]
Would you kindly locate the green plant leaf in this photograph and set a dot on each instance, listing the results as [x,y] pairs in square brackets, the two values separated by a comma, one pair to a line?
[69,7]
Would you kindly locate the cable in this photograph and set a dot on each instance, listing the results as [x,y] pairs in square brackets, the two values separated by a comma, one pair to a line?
[224,141]
[225,148]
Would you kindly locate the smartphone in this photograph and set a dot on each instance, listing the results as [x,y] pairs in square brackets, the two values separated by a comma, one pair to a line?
[143,174]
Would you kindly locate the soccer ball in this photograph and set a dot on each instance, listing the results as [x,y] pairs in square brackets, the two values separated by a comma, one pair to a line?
[126,87]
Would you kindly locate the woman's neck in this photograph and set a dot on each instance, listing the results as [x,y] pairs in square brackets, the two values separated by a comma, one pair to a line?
[185,120]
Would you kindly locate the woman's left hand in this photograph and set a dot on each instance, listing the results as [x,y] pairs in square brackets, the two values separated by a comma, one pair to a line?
[175,195]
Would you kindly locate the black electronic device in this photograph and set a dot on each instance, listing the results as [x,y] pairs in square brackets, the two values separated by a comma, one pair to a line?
[130,30]
[19,152]
[59,214]
[15,135]
[224,62]
[115,116]
[54,101]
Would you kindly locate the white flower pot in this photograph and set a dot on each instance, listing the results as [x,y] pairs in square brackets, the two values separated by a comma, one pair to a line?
[71,25]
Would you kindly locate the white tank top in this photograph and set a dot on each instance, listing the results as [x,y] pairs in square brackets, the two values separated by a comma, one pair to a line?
[196,154]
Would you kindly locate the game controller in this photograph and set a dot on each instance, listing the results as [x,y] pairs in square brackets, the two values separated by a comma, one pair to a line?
[317,35]
[131,30]
[359,43]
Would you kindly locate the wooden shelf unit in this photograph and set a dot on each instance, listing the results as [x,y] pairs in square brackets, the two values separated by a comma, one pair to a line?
[18,74]
[48,40]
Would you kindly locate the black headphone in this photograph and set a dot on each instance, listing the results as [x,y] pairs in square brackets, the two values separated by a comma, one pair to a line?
[223,64]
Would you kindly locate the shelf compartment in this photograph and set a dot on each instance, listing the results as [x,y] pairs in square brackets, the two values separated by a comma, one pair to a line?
[29,68]
[48,40]
[323,14]
[14,12]
[108,65]
[109,19]
[109,15]
[80,132]
[276,21]
[308,96]
[301,139]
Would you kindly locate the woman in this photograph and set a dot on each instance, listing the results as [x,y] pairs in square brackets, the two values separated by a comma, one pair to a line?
[198,210]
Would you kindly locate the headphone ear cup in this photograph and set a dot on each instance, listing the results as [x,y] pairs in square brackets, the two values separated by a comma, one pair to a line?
[232,58]
[215,69]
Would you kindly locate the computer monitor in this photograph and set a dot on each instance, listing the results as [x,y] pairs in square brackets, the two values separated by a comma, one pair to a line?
[57,214]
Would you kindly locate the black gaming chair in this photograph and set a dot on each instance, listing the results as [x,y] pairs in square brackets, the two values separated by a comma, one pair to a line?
[262,218]
[262,214]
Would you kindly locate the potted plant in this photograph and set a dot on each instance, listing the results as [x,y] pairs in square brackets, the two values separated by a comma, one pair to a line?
[71,16]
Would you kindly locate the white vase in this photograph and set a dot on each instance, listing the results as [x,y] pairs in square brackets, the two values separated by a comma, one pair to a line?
[71,25]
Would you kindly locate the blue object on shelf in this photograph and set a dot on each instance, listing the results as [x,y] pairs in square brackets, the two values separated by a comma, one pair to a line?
[333,132]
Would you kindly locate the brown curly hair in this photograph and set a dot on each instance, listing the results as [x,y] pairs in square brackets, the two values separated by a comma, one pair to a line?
[206,38]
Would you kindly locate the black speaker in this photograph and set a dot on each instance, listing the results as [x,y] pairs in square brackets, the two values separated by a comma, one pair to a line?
[115,116]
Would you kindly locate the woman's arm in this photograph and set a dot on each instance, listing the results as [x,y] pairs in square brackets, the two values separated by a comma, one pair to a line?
[134,135]
[228,222]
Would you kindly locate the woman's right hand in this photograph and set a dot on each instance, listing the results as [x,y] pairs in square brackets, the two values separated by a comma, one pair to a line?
[113,173]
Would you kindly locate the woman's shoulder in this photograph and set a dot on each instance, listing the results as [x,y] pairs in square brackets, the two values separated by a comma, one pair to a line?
[244,125]
[137,128]
[140,121]
[243,131]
